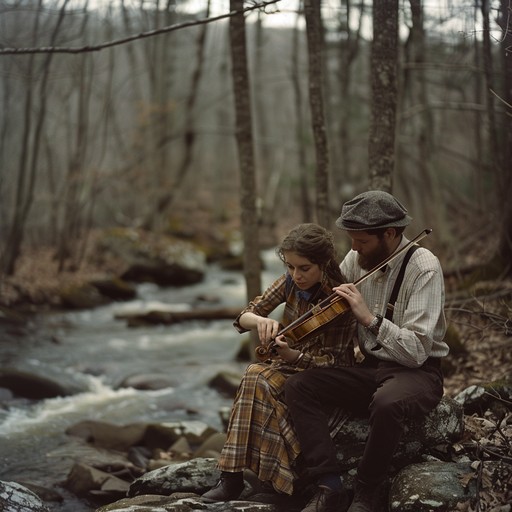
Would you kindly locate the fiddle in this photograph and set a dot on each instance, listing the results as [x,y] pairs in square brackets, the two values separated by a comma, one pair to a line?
[325,311]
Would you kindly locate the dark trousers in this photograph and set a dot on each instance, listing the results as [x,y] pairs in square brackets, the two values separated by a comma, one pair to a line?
[389,392]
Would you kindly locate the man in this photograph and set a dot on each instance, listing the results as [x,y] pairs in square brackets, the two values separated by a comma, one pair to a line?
[399,378]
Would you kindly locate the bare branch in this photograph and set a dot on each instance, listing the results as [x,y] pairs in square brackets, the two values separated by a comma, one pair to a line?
[129,39]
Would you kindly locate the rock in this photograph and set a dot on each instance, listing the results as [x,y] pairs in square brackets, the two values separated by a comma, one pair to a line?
[226,383]
[163,435]
[150,435]
[81,296]
[213,444]
[431,487]
[444,425]
[183,502]
[44,493]
[85,481]
[148,382]
[150,257]
[196,476]
[37,381]
[114,288]
[17,498]
[477,399]
[107,435]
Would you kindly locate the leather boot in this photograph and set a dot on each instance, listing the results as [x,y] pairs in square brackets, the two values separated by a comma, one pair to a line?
[228,488]
[327,500]
[365,498]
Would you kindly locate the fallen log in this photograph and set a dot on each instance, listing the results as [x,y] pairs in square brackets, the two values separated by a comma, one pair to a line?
[168,316]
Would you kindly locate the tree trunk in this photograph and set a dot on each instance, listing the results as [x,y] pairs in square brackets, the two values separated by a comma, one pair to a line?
[31,145]
[248,193]
[384,58]
[312,12]
[305,200]
[166,200]
[505,244]
[348,50]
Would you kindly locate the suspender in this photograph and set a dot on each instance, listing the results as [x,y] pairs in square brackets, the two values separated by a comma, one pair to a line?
[396,288]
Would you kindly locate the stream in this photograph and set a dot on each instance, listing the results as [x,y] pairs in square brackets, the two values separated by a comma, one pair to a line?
[101,351]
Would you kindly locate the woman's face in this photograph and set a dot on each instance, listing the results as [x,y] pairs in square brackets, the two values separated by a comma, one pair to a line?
[303,272]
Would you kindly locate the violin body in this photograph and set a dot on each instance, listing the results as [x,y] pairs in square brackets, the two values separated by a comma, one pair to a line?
[318,317]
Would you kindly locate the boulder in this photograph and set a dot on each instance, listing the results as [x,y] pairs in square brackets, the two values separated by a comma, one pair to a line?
[36,381]
[81,296]
[15,497]
[443,426]
[196,476]
[148,382]
[151,257]
[106,435]
[89,482]
[185,502]
[492,395]
[114,288]
[226,383]
[150,435]
[431,487]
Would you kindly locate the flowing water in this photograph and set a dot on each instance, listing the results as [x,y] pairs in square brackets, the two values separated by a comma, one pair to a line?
[100,351]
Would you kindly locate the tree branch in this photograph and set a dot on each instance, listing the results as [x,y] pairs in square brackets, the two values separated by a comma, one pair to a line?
[129,39]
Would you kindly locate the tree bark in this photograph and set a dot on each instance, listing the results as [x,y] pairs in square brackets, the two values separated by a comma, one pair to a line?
[384,58]
[312,12]
[505,244]
[31,145]
[244,138]
[305,199]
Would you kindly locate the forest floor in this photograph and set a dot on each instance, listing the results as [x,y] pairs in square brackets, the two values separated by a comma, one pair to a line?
[480,321]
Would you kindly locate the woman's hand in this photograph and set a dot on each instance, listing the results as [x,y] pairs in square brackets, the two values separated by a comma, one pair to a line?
[356,302]
[290,355]
[267,329]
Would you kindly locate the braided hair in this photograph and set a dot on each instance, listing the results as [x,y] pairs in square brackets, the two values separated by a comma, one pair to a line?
[315,243]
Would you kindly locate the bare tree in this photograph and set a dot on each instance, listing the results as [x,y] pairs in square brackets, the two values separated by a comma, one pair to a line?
[305,199]
[168,196]
[32,139]
[505,245]
[314,33]
[384,58]
[244,138]
[348,50]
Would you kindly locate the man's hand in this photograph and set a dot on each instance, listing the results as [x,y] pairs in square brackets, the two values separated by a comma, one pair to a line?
[356,302]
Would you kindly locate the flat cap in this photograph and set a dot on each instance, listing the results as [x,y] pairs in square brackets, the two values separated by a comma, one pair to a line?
[371,210]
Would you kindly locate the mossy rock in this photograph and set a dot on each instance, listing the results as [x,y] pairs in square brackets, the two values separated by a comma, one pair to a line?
[81,296]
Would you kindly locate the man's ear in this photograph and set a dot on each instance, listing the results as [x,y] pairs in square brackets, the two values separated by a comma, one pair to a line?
[390,233]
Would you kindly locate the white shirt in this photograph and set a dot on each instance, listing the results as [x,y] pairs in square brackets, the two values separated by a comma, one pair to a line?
[418,325]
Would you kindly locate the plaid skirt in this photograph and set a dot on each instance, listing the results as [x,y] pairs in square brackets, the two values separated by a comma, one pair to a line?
[260,435]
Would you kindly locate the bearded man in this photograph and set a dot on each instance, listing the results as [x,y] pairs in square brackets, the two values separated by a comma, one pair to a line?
[401,325]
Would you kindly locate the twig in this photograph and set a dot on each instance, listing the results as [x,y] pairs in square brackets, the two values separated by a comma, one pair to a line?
[129,39]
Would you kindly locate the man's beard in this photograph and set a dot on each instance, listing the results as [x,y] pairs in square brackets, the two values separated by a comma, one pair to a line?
[377,256]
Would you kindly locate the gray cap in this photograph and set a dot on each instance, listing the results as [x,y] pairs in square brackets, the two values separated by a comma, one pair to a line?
[371,210]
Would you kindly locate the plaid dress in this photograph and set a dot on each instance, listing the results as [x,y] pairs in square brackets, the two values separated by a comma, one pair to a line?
[260,436]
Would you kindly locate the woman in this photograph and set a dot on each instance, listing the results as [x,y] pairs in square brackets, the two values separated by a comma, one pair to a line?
[260,437]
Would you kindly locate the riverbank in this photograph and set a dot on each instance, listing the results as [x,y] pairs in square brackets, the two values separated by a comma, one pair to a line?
[480,320]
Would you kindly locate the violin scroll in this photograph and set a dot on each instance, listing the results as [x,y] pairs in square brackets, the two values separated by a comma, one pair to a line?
[265,352]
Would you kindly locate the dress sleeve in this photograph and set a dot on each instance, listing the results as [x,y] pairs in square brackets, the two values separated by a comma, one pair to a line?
[264,304]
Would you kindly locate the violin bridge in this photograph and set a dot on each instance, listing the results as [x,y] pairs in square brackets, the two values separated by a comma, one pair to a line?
[316,309]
